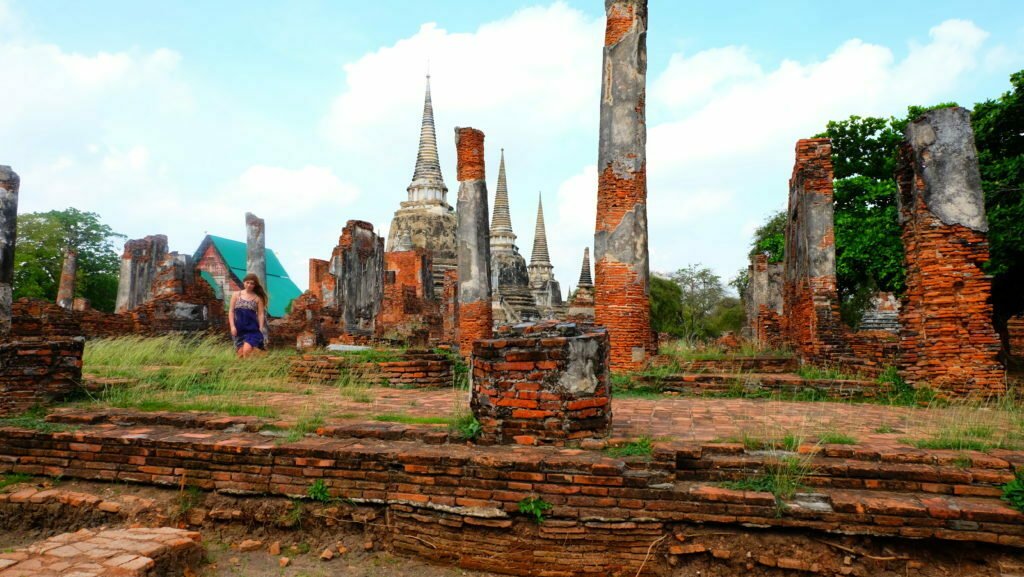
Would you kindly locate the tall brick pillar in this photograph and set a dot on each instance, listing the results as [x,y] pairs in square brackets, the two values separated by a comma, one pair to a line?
[359,261]
[256,247]
[622,293]
[811,322]
[474,241]
[68,272]
[947,340]
[9,183]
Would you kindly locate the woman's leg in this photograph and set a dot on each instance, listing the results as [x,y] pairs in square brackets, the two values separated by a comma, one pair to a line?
[245,351]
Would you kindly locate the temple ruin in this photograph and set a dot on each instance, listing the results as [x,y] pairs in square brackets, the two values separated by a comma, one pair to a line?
[510,280]
[474,260]
[547,293]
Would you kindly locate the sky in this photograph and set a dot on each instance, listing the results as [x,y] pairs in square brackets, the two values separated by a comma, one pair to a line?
[178,117]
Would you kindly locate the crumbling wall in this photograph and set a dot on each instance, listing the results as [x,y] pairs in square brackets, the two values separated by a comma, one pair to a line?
[763,301]
[947,338]
[9,185]
[1015,338]
[321,282]
[409,312]
[358,261]
[621,291]
[811,323]
[139,264]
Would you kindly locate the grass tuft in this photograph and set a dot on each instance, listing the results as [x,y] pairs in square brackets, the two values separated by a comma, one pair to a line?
[642,447]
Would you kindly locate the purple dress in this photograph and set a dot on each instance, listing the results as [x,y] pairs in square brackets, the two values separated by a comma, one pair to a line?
[247,323]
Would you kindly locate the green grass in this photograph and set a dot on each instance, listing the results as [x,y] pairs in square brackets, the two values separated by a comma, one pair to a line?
[413,420]
[8,479]
[815,373]
[185,373]
[465,426]
[304,426]
[886,428]
[687,351]
[35,419]
[836,438]
[642,447]
[783,478]
[535,507]
[1013,492]
[318,491]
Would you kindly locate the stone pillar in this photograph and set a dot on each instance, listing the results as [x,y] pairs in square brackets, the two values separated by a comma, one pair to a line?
[139,265]
[66,288]
[9,184]
[622,292]
[474,242]
[763,301]
[256,248]
[360,258]
[811,322]
[947,340]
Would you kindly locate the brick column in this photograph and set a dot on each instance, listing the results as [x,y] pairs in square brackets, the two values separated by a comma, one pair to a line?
[811,322]
[360,256]
[763,301]
[139,265]
[474,241]
[256,247]
[621,290]
[947,340]
[68,272]
[9,183]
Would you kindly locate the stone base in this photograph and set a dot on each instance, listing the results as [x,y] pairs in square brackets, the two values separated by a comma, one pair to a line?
[36,371]
[545,383]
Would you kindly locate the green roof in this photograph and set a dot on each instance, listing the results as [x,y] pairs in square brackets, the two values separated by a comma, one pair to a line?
[280,287]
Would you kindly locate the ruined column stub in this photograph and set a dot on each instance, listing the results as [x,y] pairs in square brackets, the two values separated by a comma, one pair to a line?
[621,292]
[359,261]
[256,248]
[763,301]
[9,184]
[810,295]
[68,272]
[474,244]
[947,340]
[139,265]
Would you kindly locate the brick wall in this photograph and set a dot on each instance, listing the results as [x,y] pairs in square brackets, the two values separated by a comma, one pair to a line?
[811,323]
[212,263]
[41,362]
[408,310]
[1015,337]
[947,338]
[419,369]
[544,384]
[450,307]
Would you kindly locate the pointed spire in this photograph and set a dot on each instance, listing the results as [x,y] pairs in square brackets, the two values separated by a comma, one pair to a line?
[540,238]
[502,237]
[427,182]
[585,278]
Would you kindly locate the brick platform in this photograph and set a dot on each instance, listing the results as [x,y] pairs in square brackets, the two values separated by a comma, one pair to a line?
[111,553]
[728,365]
[419,369]
[721,383]
[542,384]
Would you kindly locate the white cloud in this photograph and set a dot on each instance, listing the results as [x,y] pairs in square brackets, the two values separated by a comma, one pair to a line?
[720,155]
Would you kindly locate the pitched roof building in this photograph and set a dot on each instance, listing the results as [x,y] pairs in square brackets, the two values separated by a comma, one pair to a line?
[222,263]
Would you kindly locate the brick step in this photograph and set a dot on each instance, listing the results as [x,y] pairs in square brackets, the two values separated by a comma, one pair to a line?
[754,364]
[709,383]
[910,515]
[822,471]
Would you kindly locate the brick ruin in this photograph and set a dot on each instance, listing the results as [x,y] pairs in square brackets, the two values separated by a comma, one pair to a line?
[941,333]
[947,339]
[474,258]
[1015,338]
[40,358]
[621,291]
[763,301]
[811,322]
[542,384]
[414,368]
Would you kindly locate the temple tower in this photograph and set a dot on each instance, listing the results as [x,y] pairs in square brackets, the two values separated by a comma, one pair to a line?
[510,281]
[546,290]
[581,303]
[426,218]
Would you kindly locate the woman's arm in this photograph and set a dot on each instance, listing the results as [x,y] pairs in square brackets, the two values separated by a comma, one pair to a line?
[261,312]
[231,313]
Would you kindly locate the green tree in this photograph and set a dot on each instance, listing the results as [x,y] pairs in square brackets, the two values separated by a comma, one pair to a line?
[770,238]
[666,306]
[999,136]
[701,291]
[43,237]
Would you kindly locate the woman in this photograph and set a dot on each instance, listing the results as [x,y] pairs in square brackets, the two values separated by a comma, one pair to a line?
[245,315]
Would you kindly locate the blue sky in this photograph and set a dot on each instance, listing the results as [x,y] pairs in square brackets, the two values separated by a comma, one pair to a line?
[178,117]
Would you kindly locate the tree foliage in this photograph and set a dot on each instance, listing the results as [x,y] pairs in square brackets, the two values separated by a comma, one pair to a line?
[666,306]
[43,238]
[770,238]
[999,137]
[700,292]
[692,304]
